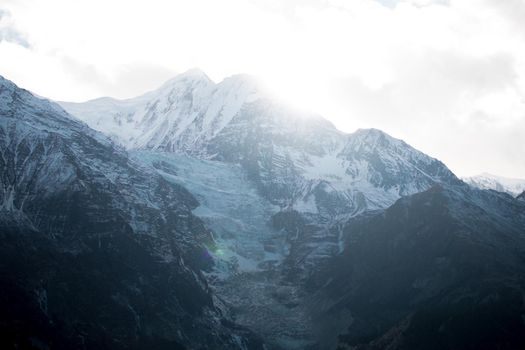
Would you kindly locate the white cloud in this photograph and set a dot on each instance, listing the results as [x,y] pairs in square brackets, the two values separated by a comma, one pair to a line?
[447,76]
[8,32]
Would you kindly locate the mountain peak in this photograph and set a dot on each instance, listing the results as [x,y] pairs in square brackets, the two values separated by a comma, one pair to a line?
[7,85]
[194,73]
[242,82]
[371,139]
[11,94]
[371,133]
[191,77]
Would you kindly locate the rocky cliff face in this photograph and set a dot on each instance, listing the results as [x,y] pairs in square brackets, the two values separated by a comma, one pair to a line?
[96,250]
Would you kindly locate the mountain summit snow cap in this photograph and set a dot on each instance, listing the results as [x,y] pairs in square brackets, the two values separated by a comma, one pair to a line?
[191,77]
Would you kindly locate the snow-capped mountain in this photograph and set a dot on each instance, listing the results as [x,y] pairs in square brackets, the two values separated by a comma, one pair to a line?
[95,249]
[183,114]
[299,163]
[275,184]
[291,156]
[488,181]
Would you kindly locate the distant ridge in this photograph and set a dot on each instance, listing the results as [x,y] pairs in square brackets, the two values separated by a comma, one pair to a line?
[488,181]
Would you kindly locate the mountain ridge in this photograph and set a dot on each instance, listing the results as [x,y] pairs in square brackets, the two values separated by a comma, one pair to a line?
[432,260]
[243,125]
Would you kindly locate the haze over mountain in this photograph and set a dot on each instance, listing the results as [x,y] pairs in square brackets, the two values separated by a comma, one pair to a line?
[231,220]
[487,181]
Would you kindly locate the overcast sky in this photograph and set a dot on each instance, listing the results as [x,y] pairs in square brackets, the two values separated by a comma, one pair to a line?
[448,77]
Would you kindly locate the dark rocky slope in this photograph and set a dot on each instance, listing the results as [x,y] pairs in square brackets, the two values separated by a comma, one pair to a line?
[96,251]
[442,269]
